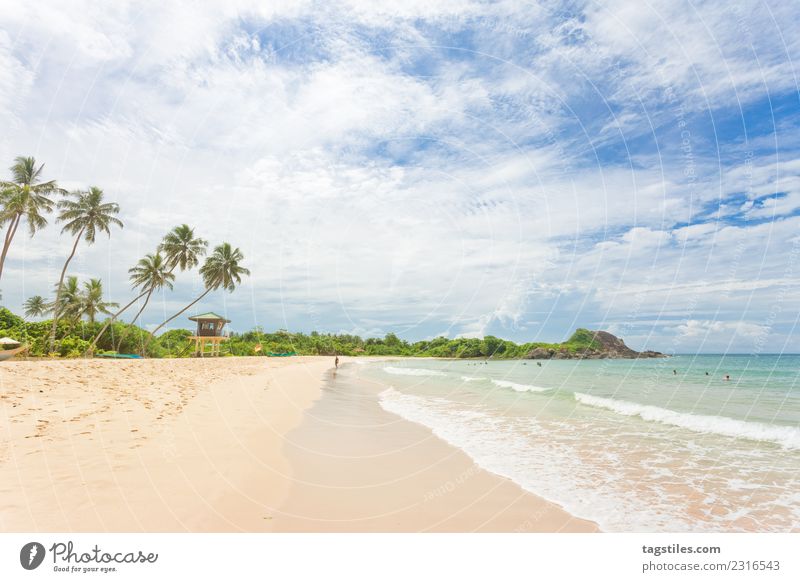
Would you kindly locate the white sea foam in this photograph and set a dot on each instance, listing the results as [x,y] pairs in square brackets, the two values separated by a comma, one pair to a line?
[412,371]
[519,387]
[522,450]
[470,378]
[786,436]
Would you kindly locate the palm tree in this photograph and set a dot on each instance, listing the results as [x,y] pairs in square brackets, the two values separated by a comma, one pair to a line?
[150,273]
[69,302]
[181,249]
[91,301]
[84,217]
[221,269]
[25,196]
[36,306]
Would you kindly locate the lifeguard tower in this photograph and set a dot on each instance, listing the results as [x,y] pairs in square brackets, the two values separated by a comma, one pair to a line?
[209,334]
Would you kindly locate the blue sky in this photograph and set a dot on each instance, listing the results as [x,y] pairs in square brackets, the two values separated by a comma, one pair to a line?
[458,167]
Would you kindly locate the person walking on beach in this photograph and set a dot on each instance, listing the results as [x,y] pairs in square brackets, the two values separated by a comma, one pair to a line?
[336,362]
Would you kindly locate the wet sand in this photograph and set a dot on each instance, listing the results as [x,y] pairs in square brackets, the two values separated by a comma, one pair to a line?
[359,468]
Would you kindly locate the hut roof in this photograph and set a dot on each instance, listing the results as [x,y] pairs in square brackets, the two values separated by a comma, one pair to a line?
[210,316]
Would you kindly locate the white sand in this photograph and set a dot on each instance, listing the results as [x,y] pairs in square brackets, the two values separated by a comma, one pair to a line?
[208,445]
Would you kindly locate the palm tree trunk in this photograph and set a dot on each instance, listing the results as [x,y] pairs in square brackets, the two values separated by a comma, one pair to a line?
[118,313]
[112,319]
[12,230]
[153,333]
[58,290]
[124,334]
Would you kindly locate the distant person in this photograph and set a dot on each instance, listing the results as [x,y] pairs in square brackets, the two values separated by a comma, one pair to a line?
[727,377]
[539,364]
[674,372]
[336,362]
[706,373]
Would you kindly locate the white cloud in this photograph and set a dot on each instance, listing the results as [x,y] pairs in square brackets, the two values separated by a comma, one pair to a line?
[698,49]
[386,181]
[694,328]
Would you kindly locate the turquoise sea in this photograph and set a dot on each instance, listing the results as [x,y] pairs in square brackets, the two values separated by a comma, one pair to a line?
[635,445]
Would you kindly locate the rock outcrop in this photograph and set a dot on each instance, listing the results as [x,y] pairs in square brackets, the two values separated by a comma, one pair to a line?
[590,345]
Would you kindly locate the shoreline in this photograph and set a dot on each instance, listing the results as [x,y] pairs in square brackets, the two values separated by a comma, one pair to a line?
[222,445]
[362,468]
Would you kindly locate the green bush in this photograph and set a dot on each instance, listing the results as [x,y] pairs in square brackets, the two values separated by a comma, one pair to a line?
[75,337]
[72,347]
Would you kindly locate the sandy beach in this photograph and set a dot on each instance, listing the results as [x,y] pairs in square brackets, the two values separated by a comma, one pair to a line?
[232,444]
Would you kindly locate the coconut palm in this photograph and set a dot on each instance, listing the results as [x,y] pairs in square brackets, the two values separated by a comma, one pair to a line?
[84,216]
[150,273]
[221,269]
[180,249]
[69,302]
[25,196]
[91,301]
[36,306]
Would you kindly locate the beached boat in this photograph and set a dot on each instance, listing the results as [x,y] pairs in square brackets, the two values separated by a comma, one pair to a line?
[8,354]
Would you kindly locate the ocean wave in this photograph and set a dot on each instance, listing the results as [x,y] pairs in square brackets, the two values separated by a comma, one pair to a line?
[412,371]
[538,465]
[786,436]
[470,378]
[519,387]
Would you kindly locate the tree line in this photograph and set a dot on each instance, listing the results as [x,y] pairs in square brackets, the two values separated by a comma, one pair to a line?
[74,329]
[126,337]
[83,214]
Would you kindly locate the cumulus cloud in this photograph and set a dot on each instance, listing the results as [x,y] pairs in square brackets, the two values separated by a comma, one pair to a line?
[696,328]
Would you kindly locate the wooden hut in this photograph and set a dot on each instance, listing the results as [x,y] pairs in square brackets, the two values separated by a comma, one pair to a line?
[209,334]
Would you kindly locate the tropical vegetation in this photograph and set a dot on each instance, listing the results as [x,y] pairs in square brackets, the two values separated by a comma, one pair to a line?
[84,216]
[25,196]
[76,340]
[74,329]
[221,269]
[75,311]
